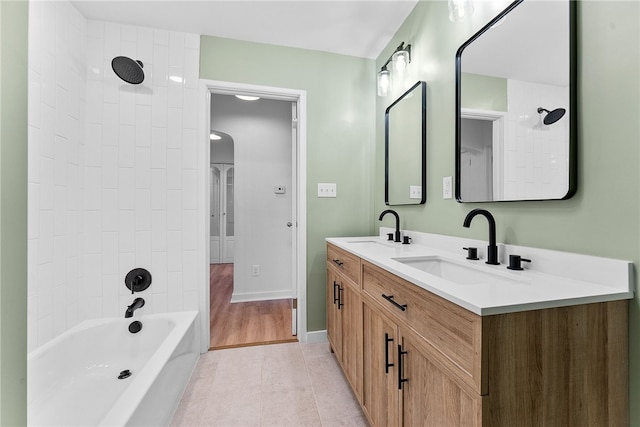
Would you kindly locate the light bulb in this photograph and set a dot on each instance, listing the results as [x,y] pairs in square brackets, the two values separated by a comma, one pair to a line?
[400,60]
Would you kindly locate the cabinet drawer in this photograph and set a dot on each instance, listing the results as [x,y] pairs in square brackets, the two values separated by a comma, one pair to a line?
[453,333]
[348,264]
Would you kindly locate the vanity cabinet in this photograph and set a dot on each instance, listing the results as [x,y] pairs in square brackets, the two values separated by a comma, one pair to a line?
[407,379]
[427,361]
[344,313]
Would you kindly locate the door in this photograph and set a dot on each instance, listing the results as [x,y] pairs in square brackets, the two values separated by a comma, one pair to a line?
[380,394]
[351,313]
[430,397]
[334,321]
[221,237]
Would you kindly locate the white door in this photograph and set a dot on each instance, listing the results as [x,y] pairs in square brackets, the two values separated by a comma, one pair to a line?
[221,239]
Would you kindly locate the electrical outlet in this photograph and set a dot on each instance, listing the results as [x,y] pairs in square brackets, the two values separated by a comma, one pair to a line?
[255,270]
[327,190]
[415,192]
[446,188]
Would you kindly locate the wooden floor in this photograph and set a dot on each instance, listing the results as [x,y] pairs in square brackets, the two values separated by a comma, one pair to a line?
[244,323]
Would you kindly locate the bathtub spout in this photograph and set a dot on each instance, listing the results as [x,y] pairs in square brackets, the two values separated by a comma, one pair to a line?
[137,303]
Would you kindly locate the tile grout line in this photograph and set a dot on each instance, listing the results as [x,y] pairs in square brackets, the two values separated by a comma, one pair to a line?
[313,388]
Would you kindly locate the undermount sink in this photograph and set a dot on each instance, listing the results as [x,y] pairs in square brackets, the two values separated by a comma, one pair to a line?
[452,271]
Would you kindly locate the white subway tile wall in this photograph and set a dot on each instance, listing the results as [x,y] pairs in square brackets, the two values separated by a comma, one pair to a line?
[112,169]
[536,155]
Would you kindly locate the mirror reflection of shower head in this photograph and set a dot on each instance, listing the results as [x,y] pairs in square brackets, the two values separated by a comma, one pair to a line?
[128,70]
[552,116]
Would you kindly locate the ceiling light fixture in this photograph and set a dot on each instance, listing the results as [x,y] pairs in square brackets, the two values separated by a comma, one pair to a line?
[248,97]
[400,59]
[459,10]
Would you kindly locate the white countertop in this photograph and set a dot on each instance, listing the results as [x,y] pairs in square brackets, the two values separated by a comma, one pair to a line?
[553,279]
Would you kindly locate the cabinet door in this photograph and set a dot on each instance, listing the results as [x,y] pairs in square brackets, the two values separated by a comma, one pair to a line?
[351,318]
[380,394]
[334,324]
[430,396]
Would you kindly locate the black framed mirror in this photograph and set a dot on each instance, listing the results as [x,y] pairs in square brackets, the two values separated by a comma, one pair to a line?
[405,137]
[516,106]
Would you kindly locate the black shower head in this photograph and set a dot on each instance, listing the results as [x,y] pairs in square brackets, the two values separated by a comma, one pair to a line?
[552,116]
[128,70]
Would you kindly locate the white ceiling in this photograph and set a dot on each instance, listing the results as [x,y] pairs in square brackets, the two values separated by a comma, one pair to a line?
[359,28]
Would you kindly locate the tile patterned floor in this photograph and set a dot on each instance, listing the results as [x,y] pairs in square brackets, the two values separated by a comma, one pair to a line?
[284,385]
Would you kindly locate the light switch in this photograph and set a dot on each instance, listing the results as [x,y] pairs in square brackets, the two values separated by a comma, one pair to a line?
[327,190]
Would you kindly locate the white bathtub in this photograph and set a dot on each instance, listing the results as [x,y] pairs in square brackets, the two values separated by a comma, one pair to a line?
[73,380]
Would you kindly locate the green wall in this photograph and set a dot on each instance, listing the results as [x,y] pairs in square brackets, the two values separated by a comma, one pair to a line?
[340,136]
[484,92]
[13,212]
[603,217]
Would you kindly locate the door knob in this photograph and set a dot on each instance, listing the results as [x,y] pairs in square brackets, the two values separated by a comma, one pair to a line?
[289,224]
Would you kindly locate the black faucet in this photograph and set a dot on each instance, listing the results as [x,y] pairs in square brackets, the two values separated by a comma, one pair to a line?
[137,303]
[492,249]
[391,211]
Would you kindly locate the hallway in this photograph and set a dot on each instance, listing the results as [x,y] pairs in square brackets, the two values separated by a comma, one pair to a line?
[244,323]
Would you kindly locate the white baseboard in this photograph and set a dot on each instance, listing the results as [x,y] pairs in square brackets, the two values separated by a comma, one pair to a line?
[315,337]
[260,296]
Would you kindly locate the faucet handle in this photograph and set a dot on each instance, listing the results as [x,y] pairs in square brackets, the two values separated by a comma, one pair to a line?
[390,236]
[406,240]
[515,262]
[472,253]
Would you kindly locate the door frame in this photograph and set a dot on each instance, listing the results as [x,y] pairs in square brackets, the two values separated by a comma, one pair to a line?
[299,166]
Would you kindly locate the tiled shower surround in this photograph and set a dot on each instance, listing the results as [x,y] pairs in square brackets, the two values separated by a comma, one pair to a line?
[112,169]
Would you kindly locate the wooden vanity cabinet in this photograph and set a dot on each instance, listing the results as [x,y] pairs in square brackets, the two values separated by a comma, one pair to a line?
[429,362]
[344,314]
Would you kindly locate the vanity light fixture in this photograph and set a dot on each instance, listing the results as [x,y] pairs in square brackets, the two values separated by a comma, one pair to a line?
[399,59]
[459,10]
[248,97]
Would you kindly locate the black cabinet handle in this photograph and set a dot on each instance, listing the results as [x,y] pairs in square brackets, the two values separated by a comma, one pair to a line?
[401,380]
[335,297]
[337,261]
[340,289]
[387,365]
[389,298]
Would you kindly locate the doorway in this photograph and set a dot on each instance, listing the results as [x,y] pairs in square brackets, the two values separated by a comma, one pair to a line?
[252,275]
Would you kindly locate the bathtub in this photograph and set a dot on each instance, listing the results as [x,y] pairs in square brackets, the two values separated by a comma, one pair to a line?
[73,380]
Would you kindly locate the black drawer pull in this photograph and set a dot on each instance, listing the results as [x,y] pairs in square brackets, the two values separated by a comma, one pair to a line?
[387,365]
[340,303]
[338,262]
[389,298]
[336,297]
[401,380]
